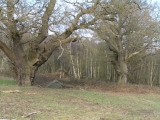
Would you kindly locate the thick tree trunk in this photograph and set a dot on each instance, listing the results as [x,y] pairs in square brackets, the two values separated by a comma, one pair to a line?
[22,75]
[33,72]
[122,78]
[121,68]
[24,69]
[122,72]
[26,75]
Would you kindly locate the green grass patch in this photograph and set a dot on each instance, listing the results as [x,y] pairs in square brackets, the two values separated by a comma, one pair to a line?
[7,82]
[70,104]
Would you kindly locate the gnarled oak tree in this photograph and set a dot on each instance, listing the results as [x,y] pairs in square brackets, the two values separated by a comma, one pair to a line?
[27,27]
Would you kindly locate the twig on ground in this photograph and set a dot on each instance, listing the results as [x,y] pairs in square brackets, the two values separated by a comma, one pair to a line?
[29,114]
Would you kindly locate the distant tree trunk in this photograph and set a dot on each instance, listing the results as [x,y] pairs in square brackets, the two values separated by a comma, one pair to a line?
[78,67]
[72,62]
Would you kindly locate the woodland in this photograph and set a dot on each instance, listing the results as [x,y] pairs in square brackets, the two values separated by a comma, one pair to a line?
[103,40]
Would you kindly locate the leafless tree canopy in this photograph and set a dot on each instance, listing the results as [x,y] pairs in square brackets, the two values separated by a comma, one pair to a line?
[35,30]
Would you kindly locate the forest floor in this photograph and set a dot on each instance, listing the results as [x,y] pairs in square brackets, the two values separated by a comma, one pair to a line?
[89,102]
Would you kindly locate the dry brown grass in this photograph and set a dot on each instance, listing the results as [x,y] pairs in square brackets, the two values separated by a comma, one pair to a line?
[122,88]
[44,79]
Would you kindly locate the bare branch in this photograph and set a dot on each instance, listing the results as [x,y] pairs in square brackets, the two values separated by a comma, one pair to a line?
[7,52]
[137,52]
[73,27]
[61,49]
[45,19]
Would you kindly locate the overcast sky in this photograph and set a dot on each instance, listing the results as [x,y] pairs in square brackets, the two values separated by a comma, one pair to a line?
[153,1]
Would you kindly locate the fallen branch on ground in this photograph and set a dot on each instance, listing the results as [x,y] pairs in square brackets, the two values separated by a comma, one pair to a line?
[60,83]
[29,114]
[11,91]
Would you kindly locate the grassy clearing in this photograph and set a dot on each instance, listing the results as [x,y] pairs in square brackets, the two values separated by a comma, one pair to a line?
[71,104]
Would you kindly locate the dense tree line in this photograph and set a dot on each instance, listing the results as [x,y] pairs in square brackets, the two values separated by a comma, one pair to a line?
[90,63]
